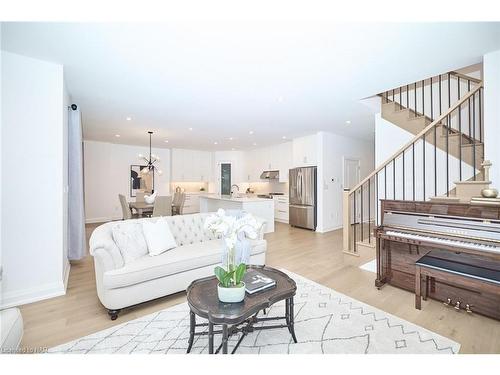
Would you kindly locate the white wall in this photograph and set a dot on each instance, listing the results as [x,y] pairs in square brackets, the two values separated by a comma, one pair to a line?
[332,150]
[66,265]
[491,67]
[33,226]
[107,174]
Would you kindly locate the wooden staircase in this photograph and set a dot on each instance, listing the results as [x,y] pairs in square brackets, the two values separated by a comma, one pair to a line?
[444,115]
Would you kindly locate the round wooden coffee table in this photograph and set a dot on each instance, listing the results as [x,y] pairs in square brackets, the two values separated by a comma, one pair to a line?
[238,317]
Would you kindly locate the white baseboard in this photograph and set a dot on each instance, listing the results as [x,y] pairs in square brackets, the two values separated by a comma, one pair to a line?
[328,229]
[22,297]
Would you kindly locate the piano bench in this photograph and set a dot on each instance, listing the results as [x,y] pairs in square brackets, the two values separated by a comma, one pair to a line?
[454,271]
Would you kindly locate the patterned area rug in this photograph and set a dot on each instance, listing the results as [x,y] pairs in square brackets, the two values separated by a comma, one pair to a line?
[325,322]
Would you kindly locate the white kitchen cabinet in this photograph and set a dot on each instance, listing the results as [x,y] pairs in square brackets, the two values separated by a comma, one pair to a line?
[281,208]
[305,151]
[273,158]
[191,165]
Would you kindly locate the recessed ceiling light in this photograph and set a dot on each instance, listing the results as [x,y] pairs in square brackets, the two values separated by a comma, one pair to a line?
[166,140]
[231,138]
[233,149]
[190,129]
[284,137]
[250,132]
[216,143]
[117,135]
[255,144]
[348,122]
[129,118]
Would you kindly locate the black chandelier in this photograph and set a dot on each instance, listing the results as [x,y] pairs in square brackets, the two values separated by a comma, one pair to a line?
[151,166]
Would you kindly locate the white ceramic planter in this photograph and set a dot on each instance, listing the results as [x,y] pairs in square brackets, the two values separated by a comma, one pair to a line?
[231,295]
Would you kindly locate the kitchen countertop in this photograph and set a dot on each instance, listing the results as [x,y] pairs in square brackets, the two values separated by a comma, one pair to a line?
[231,199]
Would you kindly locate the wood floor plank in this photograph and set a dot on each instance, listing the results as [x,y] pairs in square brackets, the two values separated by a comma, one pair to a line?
[313,255]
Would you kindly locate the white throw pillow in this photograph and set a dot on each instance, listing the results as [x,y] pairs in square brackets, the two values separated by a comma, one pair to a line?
[158,236]
[129,239]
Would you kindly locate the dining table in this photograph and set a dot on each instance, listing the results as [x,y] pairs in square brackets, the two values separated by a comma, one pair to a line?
[141,207]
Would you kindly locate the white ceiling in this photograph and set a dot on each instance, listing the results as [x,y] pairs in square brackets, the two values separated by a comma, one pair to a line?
[224,79]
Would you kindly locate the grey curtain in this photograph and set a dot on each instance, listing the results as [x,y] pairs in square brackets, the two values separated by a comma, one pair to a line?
[76,220]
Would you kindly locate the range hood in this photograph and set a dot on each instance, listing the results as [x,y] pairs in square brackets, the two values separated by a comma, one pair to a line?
[270,175]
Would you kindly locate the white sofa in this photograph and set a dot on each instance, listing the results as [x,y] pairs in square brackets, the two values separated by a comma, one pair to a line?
[122,285]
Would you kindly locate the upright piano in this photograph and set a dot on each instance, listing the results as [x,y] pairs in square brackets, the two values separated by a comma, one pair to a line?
[456,244]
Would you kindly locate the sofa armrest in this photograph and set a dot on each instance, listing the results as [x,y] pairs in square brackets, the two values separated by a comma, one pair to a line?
[103,259]
[102,245]
[260,234]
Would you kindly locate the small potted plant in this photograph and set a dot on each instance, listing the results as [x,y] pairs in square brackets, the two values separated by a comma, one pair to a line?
[231,288]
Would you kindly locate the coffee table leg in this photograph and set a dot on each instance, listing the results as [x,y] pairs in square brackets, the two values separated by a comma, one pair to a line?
[291,318]
[210,338]
[224,339]
[192,325]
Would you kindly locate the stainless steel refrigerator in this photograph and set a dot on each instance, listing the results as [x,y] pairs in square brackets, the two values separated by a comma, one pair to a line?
[302,188]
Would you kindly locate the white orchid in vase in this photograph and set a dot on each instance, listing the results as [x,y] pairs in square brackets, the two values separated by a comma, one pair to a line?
[232,228]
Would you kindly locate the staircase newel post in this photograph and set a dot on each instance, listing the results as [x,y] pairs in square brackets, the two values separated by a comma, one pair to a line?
[346,225]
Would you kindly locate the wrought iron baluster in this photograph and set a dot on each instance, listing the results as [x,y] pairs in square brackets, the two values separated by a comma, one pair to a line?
[369,211]
[361,212]
[435,158]
[423,98]
[415,97]
[413,167]
[355,218]
[423,166]
[394,178]
[432,100]
[404,175]
[474,135]
[385,181]
[447,158]
[440,96]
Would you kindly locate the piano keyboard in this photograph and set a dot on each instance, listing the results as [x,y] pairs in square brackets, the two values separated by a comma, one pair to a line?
[446,241]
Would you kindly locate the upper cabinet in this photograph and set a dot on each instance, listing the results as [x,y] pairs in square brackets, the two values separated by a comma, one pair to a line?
[273,158]
[305,151]
[191,165]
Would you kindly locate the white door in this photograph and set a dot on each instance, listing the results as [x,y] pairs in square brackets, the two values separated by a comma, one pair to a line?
[351,173]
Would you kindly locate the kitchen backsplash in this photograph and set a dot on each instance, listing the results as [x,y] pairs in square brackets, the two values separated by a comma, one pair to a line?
[189,187]
[265,187]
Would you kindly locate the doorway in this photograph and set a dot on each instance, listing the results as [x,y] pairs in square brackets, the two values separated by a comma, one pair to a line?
[351,173]
[225,179]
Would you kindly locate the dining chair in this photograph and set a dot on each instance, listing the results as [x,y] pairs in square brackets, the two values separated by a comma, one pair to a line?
[162,206]
[139,196]
[126,211]
[178,204]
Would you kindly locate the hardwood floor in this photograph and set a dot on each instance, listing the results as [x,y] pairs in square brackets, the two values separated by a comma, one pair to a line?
[316,256]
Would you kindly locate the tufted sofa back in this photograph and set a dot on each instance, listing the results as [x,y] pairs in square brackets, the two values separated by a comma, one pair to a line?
[186,229]
[189,229]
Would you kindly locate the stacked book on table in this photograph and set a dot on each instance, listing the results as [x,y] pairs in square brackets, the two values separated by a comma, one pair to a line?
[485,201]
[256,281]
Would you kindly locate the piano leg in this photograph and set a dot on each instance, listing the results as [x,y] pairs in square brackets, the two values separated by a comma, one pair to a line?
[379,281]
[425,290]
[418,284]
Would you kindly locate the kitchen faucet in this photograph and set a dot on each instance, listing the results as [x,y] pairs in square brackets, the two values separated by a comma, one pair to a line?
[233,192]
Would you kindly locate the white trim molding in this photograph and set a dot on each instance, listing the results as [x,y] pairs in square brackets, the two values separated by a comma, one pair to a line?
[22,297]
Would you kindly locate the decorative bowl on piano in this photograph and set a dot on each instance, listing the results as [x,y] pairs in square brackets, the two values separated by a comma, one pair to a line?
[489,193]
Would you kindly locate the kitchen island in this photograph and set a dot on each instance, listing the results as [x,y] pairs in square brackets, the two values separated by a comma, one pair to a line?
[259,207]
